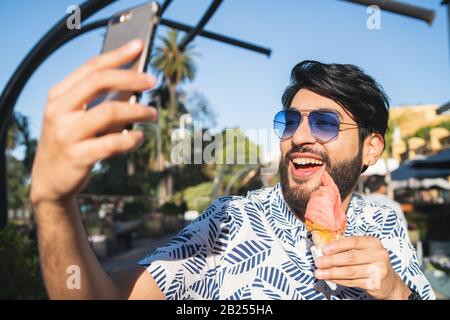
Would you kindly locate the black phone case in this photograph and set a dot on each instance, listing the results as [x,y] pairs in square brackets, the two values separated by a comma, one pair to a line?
[138,22]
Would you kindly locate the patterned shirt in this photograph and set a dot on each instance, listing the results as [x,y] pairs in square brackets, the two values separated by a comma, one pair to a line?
[254,247]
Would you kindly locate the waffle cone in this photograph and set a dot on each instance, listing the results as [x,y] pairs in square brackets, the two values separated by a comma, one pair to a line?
[322,236]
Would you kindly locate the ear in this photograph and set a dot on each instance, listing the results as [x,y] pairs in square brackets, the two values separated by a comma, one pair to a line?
[373,148]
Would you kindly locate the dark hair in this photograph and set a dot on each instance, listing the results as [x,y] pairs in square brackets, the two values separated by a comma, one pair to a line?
[375,182]
[348,86]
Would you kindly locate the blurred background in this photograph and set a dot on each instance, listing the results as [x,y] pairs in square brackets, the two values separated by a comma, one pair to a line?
[136,202]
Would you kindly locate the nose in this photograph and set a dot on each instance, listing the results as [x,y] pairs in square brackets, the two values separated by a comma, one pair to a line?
[303,133]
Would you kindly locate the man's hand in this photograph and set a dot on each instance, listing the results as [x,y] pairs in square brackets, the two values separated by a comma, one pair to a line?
[361,262]
[69,145]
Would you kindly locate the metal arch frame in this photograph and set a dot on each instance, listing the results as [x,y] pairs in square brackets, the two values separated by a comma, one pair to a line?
[201,24]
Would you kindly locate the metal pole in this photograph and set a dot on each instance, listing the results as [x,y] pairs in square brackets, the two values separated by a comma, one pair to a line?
[201,24]
[400,8]
[217,37]
[164,7]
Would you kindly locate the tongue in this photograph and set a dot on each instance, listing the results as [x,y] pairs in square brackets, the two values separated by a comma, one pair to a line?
[306,166]
[306,169]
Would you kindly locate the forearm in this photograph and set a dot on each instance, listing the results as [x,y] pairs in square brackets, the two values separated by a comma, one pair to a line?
[63,243]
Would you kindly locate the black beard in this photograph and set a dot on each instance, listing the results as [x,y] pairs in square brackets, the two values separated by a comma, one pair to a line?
[344,173]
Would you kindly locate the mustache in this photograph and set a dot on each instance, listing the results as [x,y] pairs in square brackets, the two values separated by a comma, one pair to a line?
[306,149]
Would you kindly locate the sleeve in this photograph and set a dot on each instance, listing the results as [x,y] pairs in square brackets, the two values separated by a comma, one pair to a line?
[189,258]
[403,256]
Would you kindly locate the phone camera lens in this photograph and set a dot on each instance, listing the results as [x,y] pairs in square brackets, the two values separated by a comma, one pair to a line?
[121,18]
[116,19]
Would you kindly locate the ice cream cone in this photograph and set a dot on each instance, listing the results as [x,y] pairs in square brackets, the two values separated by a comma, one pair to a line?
[324,217]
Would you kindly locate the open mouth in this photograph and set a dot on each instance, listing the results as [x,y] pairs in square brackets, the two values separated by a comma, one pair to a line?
[305,167]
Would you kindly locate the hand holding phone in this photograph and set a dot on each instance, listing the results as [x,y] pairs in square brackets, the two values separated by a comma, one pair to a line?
[69,145]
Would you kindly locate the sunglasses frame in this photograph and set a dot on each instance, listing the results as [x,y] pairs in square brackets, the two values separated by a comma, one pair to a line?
[306,113]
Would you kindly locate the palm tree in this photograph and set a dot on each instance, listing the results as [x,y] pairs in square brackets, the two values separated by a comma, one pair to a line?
[175,65]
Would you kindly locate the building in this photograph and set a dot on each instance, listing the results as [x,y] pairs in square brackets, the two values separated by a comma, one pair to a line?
[416,131]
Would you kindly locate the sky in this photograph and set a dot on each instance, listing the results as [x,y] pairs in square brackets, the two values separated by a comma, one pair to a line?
[408,57]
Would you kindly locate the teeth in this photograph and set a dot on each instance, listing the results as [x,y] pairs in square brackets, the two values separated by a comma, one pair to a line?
[303,161]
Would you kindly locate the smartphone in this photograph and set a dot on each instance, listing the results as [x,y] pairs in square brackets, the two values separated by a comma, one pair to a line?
[139,22]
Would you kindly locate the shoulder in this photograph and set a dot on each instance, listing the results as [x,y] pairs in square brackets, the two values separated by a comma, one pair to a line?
[227,216]
[384,201]
[366,205]
[235,206]
[372,216]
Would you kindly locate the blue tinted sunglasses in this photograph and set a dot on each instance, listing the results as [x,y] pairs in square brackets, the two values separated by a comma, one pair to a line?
[323,124]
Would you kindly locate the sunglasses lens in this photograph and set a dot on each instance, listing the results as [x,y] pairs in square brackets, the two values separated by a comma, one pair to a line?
[286,123]
[324,126]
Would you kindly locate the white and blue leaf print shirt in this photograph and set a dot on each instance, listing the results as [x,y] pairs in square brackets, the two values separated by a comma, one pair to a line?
[254,247]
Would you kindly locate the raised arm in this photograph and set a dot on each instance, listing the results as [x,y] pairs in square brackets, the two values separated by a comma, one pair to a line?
[68,148]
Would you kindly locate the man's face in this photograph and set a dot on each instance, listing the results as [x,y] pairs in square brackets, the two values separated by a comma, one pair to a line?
[341,157]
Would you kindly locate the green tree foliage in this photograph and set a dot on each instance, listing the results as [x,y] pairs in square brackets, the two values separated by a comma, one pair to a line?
[17,181]
[19,135]
[197,197]
[424,132]
[18,171]
[248,151]
[201,111]
[388,139]
[20,276]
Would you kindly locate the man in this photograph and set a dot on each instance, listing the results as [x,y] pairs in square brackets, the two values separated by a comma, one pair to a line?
[378,193]
[255,247]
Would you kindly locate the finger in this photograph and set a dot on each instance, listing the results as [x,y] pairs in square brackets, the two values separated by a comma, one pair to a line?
[345,258]
[104,80]
[97,149]
[354,242]
[108,115]
[347,272]
[354,283]
[111,59]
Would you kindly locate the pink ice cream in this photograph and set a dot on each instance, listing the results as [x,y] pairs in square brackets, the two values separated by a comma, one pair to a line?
[324,217]
[323,212]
